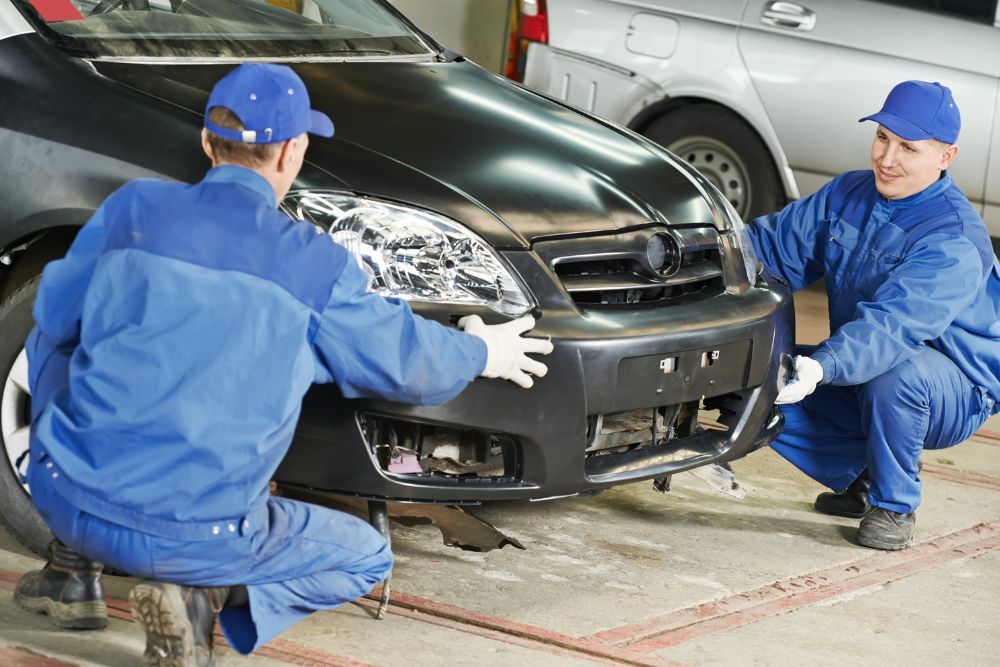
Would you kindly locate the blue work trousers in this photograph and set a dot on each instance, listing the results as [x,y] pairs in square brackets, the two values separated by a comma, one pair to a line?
[306,559]
[837,432]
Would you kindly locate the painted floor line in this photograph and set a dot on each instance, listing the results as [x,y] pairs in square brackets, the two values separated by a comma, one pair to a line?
[985,434]
[797,592]
[288,652]
[18,656]
[962,476]
[507,638]
[474,622]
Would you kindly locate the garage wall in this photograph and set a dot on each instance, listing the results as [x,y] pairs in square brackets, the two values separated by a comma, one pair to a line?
[475,28]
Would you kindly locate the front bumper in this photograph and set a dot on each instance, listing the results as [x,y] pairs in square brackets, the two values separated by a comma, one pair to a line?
[603,362]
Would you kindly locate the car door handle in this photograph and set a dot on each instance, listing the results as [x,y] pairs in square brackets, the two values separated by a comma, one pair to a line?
[788,15]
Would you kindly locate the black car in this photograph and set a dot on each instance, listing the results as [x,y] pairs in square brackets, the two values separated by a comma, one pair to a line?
[456,190]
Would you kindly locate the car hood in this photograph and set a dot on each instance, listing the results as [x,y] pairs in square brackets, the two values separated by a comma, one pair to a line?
[511,164]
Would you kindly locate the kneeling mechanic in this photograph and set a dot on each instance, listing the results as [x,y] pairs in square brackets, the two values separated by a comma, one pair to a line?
[913,359]
[172,348]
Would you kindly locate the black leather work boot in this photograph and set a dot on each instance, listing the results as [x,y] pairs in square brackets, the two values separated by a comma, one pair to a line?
[68,589]
[851,502]
[885,529]
[178,621]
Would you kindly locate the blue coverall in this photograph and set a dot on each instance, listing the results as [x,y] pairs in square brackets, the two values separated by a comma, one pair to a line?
[173,347]
[913,359]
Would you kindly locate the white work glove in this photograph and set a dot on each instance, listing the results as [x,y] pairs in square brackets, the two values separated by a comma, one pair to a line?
[809,374]
[506,351]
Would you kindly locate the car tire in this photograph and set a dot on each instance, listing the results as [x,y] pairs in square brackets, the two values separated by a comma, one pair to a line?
[727,151]
[17,514]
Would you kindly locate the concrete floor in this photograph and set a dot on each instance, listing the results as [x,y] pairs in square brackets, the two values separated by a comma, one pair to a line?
[694,577]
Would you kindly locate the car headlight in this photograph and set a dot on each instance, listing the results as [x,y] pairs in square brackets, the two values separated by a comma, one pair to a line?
[742,235]
[746,243]
[413,254]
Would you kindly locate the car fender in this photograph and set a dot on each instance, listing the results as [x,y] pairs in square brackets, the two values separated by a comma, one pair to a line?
[705,65]
[681,90]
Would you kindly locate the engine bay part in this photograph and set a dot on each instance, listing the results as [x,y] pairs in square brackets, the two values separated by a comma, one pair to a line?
[422,450]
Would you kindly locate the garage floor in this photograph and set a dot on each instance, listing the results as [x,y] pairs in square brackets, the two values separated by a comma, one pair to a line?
[695,577]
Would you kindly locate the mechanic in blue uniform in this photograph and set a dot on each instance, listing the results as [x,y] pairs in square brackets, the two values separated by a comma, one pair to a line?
[173,347]
[913,359]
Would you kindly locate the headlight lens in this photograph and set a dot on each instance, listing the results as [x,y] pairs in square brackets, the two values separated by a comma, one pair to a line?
[413,254]
[746,244]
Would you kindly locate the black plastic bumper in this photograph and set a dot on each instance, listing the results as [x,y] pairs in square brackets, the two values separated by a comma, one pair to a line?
[604,362]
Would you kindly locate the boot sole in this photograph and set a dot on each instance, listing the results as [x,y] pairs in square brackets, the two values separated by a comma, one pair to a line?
[68,615]
[162,614]
[884,546]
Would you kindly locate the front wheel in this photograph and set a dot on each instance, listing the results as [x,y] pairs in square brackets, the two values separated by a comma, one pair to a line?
[726,151]
[17,514]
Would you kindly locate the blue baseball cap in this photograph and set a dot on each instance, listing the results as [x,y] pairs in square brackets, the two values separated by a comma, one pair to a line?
[917,110]
[271,101]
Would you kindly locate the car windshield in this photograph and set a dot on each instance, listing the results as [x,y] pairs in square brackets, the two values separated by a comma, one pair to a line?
[276,29]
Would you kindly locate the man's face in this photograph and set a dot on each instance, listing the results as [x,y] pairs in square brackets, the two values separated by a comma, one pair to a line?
[903,167]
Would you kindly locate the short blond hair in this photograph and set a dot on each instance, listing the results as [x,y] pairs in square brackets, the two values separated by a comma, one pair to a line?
[237,152]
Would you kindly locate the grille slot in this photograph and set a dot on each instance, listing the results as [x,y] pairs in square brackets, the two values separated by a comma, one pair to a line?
[614,270]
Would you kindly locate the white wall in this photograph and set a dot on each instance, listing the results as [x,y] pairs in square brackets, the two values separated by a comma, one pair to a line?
[475,28]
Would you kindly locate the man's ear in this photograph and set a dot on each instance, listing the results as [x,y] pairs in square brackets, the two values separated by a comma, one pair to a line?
[207,147]
[948,156]
[286,154]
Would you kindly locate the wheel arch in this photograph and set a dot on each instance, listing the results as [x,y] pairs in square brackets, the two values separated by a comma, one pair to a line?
[663,107]
[40,238]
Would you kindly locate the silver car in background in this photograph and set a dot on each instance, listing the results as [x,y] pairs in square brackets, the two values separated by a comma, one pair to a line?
[762,96]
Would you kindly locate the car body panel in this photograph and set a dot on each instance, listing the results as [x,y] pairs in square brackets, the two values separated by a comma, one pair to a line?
[801,90]
[559,173]
[587,62]
[865,47]
[11,22]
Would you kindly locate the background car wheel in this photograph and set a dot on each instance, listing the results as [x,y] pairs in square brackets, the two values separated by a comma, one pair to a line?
[17,513]
[721,146]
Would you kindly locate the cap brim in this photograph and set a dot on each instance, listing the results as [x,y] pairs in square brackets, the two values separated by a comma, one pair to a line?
[898,126]
[320,124]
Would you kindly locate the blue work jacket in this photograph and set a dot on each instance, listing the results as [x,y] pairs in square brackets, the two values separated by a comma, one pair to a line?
[900,274]
[174,343]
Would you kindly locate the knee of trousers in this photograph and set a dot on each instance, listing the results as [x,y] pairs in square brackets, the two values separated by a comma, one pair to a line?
[904,387]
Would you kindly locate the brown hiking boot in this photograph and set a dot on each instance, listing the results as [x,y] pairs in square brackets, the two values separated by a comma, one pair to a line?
[178,621]
[68,589]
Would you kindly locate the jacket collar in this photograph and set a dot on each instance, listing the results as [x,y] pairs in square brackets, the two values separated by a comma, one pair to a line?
[248,178]
[931,191]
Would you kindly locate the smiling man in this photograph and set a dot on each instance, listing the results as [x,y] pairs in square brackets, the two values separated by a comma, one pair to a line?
[913,359]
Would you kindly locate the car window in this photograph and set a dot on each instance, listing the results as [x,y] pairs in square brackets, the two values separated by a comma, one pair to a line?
[983,11]
[224,28]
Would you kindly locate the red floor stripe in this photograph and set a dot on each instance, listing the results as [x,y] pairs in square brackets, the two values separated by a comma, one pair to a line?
[788,595]
[987,435]
[18,656]
[506,638]
[962,476]
[504,630]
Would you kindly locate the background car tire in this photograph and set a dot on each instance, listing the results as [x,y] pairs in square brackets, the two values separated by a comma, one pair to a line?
[720,145]
[17,514]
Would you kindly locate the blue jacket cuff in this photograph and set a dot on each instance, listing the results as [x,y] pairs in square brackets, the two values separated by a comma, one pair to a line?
[829,364]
